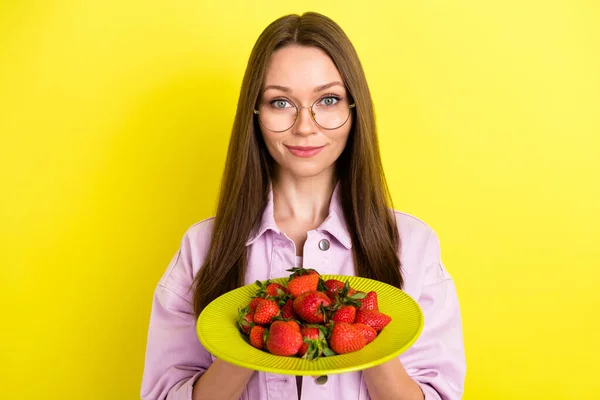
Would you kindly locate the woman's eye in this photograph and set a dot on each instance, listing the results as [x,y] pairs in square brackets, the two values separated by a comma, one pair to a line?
[279,103]
[329,100]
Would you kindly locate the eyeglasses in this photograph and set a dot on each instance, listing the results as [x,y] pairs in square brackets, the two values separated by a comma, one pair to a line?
[279,115]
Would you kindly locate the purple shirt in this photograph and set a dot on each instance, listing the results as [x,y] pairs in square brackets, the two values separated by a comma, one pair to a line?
[175,359]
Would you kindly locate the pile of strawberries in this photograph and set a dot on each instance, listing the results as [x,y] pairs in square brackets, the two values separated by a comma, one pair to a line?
[310,317]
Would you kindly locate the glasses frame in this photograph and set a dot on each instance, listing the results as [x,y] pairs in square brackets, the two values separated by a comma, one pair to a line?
[312,115]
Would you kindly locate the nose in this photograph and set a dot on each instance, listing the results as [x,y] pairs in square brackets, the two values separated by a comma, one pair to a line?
[305,124]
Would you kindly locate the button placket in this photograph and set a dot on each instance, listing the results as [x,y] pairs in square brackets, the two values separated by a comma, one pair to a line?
[279,387]
[283,257]
[313,390]
[317,252]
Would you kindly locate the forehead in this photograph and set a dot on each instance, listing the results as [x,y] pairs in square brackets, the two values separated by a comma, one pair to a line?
[300,67]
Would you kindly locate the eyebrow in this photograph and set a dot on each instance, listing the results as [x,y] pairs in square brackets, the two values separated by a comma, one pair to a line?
[317,89]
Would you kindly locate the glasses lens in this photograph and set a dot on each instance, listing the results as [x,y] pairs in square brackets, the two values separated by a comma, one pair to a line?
[331,112]
[277,117]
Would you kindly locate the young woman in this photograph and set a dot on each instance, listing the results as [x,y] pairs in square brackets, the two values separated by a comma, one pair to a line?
[303,185]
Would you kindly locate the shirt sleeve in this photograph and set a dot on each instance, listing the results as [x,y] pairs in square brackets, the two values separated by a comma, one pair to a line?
[437,359]
[175,358]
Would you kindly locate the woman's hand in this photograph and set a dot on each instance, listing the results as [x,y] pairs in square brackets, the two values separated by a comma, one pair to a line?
[390,378]
[222,381]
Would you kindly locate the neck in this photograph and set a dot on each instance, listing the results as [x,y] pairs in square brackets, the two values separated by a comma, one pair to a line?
[304,199]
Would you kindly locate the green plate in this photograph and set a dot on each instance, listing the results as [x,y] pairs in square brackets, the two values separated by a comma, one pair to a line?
[220,336]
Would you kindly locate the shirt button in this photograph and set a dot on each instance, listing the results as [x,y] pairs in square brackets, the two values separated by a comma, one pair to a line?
[324,244]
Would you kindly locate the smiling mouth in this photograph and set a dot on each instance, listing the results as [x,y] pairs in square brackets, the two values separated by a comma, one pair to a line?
[305,152]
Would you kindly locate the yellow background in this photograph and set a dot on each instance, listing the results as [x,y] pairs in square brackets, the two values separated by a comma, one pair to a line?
[114,122]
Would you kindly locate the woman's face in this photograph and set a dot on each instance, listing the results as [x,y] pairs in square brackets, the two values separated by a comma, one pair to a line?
[304,76]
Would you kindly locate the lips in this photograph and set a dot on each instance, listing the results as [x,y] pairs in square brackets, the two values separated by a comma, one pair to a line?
[305,151]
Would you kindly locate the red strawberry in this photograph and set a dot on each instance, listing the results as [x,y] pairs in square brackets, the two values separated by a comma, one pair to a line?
[344,314]
[294,325]
[333,286]
[255,301]
[275,289]
[302,280]
[368,332]
[270,289]
[369,303]
[265,312]
[287,311]
[310,306]
[284,339]
[345,338]
[311,333]
[344,308]
[341,292]
[257,336]
[315,344]
[374,319]
[244,320]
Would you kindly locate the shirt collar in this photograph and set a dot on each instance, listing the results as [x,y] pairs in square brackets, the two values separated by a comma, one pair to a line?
[334,224]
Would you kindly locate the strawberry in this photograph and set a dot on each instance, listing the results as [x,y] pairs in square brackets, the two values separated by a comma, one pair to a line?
[375,319]
[344,314]
[257,336]
[265,312]
[254,303]
[284,338]
[315,345]
[341,292]
[294,325]
[310,306]
[275,289]
[369,303]
[332,286]
[345,306]
[345,338]
[302,280]
[368,332]
[245,319]
[309,333]
[270,289]
[287,310]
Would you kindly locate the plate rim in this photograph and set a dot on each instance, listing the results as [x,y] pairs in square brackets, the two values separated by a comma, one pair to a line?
[325,371]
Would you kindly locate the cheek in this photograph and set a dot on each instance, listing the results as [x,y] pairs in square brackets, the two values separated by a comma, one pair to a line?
[272,142]
[340,140]
[268,140]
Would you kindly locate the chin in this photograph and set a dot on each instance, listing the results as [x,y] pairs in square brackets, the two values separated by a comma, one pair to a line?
[307,171]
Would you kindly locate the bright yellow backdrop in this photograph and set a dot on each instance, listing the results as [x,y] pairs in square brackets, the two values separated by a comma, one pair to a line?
[114,122]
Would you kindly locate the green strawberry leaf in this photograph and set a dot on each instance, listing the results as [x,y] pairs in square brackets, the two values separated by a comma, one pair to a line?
[321,286]
[324,312]
[328,352]
[322,332]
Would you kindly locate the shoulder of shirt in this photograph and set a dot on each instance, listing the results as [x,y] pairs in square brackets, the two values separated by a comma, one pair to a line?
[199,234]
[421,245]
[409,225]
[191,255]
[198,237]
[418,240]
[201,228]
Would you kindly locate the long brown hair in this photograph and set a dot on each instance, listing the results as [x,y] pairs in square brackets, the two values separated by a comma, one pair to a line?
[249,168]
